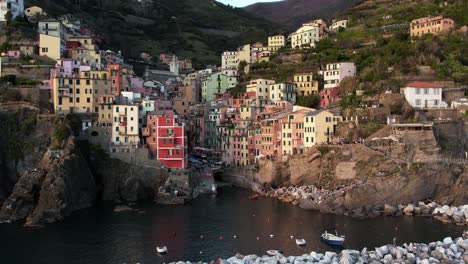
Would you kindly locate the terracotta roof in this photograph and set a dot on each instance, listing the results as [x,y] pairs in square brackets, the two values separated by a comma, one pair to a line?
[423,85]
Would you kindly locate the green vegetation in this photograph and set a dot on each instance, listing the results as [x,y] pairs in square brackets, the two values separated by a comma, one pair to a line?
[323,150]
[197,29]
[311,101]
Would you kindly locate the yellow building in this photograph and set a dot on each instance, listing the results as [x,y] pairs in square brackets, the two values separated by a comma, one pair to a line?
[86,42]
[105,110]
[276,42]
[125,125]
[305,84]
[319,127]
[51,46]
[260,88]
[80,94]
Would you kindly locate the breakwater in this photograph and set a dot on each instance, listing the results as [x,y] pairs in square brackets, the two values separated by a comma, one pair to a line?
[446,251]
[313,198]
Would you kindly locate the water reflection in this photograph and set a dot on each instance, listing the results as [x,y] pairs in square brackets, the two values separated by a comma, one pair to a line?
[203,230]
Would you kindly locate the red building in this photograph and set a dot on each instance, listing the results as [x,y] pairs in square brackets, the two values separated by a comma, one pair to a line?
[328,96]
[115,71]
[167,140]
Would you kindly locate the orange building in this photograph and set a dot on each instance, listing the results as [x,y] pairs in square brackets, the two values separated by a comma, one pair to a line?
[116,75]
[430,25]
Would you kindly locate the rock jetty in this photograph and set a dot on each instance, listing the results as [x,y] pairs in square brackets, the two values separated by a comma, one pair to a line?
[447,251]
[313,198]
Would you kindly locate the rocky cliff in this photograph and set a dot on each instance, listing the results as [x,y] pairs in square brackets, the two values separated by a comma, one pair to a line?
[392,170]
[62,184]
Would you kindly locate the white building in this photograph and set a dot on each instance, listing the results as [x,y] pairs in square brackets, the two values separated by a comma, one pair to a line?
[52,28]
[283,92]
[424,95]
[305,36]
[338,24]
[16,7]
[231,59]
[261,89]
[334,73]
[125,125]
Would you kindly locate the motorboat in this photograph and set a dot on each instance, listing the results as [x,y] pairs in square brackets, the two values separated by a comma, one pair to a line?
[301,242]
[273,252]
[161,250]
[333,240]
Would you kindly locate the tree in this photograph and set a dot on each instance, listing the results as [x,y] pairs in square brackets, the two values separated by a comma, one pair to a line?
[311,101]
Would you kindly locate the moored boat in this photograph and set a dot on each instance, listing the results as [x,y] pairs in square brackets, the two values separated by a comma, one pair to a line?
[301,242]
[333,240]
[161,250]
[273,252]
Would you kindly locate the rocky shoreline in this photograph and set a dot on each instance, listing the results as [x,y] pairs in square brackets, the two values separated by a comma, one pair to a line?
[447,251]
[313,198]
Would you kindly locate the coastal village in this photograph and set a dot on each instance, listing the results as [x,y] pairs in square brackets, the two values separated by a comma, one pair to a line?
[328,136]
[173,114]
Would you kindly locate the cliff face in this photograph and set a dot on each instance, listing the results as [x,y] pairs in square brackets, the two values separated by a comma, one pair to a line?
[387,170]
[62,185]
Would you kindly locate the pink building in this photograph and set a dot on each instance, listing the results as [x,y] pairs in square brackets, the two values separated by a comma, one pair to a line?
[14,54]
[328,96]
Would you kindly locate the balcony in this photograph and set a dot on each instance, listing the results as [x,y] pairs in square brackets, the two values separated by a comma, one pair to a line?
[122,113]
[64,93]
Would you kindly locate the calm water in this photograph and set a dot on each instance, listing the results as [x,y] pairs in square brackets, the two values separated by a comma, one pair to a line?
[101,236]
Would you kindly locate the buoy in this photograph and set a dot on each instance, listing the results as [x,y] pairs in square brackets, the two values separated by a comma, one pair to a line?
[201,236]
[258,238]
[272,236]
[235,236]
[220,238]
[292,237]
[201,252]
[396,228]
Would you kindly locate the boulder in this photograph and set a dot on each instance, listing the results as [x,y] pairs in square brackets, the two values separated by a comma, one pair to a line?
[448,241]
[409,209]
[389,210]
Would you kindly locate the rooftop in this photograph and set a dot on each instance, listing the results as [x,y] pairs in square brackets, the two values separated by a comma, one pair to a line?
[423,85]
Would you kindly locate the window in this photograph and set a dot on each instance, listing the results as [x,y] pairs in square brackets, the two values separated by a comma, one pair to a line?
[77,99]
[418,90]
[164,141]
[88,100]
[418,101]
[77,90]
[77,81]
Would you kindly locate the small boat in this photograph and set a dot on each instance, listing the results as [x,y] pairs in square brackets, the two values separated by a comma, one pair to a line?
[301,242]
[161,250]
[253,197]
[273,252]
[214,188]
[333,240]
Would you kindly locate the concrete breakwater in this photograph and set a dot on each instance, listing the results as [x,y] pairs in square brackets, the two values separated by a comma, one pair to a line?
[447,251]
[313,198]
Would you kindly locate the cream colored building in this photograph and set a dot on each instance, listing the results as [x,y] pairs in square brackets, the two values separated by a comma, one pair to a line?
[306,85]
[283,92]
[319,127]
[51,46]
[276,42]
[306,36]
[125,125]
[230,59]
[261,89]
[337,24]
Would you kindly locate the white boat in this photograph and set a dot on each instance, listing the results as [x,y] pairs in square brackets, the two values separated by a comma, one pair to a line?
[273,252]
[332,239]
[161,250]
[301,242]
[214,188]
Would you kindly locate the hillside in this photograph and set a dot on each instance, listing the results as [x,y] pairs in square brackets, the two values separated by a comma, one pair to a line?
[385,57]
[294,12]
[198,29]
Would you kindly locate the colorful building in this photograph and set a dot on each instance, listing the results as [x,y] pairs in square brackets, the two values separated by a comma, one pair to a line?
[216,84]
[116,78]
[334,73]
[15,7]
[125,125]
[283,92]
[276,42]
[319,127]
[167,140]
[328,96]
[260,88]
[306,85]
[306,36]
[430,25]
